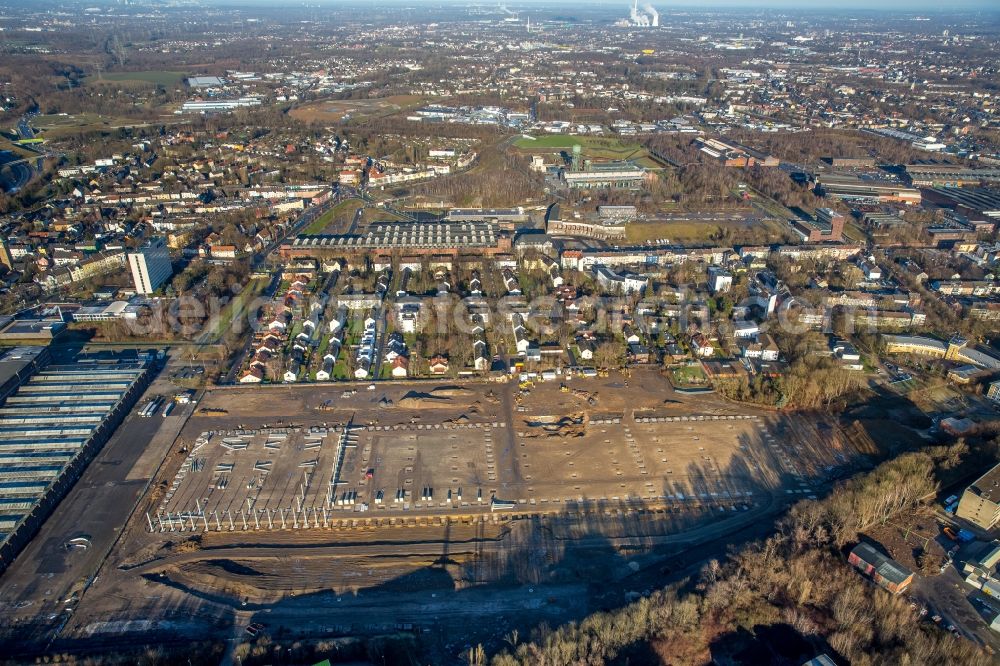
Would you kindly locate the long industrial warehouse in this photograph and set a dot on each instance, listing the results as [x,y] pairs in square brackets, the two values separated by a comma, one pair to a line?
[52,422]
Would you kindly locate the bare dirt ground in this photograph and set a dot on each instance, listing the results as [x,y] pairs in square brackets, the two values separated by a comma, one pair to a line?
[640,476]
[908,536]
[330,111]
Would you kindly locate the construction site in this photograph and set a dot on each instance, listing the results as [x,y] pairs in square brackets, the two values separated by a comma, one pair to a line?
[455,451]
[345,511]
[306,478]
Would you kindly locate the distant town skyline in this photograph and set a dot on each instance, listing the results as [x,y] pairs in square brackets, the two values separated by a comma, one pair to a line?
[886,5]
[834,5]
[914,6]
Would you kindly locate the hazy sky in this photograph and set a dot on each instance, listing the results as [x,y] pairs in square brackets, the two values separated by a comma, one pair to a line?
[941,6]
[905,7]
[826,5]
[908,6]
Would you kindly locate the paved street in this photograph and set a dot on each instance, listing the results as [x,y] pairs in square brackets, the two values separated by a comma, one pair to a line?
[49,572]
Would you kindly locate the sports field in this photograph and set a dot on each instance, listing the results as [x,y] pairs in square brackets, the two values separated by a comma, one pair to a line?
[591,147]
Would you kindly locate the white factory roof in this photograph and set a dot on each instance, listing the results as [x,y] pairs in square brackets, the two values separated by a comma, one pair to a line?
[204,81]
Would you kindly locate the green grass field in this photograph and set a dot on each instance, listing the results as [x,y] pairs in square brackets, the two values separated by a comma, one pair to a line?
[235,308]
[677,232]
[591,146]
[320,223]
[688,375]
[155,77]
[339,214]
[648,162]
[373,215]
[6,144]
[57,120]
[854,232]
[568,141]
[693,231]
[59,125]
[296,329]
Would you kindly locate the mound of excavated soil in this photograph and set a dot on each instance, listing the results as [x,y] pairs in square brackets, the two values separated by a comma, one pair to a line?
[450,392]
[439,397]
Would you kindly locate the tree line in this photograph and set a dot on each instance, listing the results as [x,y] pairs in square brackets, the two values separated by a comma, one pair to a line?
[798,580]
